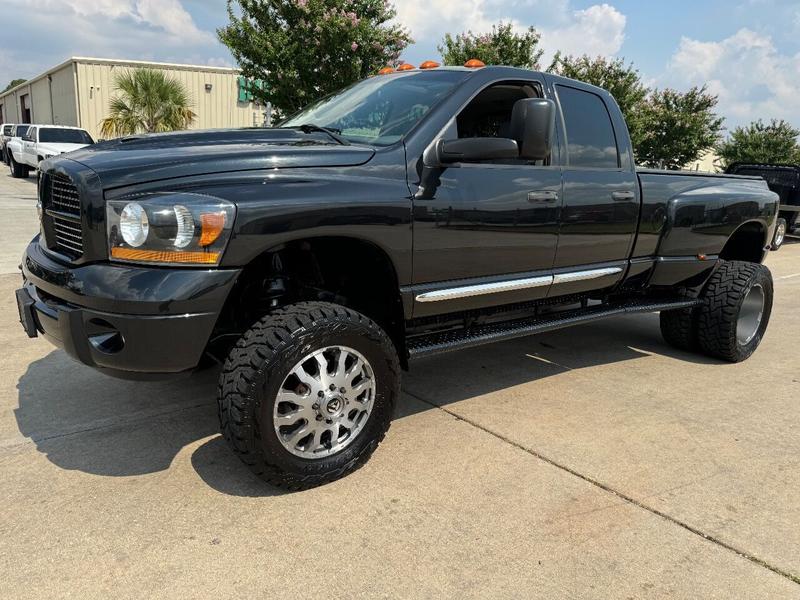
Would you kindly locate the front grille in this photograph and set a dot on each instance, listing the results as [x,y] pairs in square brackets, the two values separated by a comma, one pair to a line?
[64,196]
[63,206]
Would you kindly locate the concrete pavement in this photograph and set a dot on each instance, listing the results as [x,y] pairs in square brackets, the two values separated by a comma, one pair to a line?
[584,463]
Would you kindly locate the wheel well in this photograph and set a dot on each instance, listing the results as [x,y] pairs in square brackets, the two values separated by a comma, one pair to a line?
[347,271]
[747,243]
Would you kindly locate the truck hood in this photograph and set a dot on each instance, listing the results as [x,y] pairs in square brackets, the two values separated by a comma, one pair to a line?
[47,148]
[146,158]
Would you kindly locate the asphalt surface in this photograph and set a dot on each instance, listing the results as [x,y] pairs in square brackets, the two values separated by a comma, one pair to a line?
[585,463]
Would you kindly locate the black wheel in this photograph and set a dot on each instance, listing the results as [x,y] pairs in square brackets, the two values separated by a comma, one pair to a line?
[780,234]
[678,328]
[308,393]
[18,171]
[737,303]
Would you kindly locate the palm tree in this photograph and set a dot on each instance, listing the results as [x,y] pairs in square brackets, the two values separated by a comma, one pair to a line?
[148,102]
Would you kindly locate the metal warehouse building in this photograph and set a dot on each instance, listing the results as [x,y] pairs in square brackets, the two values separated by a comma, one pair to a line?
[78,91]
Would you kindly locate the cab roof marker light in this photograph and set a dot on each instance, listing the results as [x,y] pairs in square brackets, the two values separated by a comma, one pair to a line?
[429,64]
[406,67]
[386,71]
[474,63]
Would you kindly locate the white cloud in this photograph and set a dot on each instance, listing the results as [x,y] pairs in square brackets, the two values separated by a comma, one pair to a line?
[161,30]
[168,16]
[752,78]
[596,30]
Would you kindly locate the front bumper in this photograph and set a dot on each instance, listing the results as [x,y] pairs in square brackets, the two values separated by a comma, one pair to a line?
[127,320]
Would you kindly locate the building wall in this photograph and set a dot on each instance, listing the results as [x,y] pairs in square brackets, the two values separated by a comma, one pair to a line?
[65,105]
[216,108]
[708,162]
[81,90]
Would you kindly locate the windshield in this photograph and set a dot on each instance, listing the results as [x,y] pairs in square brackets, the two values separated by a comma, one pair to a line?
[64,136]
[380,110]
[22,130]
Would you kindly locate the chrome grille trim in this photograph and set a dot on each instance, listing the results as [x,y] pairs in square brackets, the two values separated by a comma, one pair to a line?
[63,207]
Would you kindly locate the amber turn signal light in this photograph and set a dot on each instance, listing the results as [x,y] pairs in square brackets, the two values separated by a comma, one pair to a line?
[212,227]
[429,64]
[165,256]
[405,67]
[474,63]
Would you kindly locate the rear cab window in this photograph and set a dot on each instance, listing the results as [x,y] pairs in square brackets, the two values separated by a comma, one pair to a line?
[591,142]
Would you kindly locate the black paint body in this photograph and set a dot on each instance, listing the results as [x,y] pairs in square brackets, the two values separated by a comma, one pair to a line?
[439,226]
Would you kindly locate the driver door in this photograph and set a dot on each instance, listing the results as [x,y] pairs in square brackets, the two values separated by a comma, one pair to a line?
[485,233]
[29,147]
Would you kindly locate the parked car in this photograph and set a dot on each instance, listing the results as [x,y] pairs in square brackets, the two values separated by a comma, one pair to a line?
[14,150]
[45,141]
[411,214]
[5,135]
[784,180]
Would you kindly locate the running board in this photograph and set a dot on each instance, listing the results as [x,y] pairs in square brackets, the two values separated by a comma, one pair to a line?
[438,343]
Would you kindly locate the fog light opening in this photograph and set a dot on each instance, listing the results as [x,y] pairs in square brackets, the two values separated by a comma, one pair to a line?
[107,340]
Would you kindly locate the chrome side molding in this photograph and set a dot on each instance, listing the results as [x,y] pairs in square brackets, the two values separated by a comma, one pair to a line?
[584,275]
[485,288]
[514,284]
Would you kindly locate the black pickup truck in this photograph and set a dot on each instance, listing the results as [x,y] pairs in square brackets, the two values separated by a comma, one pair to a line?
[413,213]
[784,180]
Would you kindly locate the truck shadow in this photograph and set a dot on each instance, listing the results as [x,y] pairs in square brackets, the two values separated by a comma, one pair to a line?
[83,420]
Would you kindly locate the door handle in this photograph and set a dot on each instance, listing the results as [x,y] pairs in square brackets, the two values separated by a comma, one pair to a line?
[543,196]
[623,196]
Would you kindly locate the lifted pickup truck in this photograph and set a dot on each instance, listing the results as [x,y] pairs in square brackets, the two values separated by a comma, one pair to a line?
[411,214]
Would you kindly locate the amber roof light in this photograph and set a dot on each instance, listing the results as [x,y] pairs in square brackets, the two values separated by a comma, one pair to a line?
[474,63]
[429,64]
[406,67]
[386,71]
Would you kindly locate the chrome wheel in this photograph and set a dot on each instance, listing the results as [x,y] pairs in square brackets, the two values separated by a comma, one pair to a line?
[750,315]
[780,233]
[324,402]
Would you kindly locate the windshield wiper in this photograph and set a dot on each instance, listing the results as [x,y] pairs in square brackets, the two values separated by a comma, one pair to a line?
[334,134]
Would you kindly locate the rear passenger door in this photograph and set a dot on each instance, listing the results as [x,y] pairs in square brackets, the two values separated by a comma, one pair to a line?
[600,208]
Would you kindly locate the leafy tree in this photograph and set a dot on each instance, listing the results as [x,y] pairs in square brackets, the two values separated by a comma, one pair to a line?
[14,83]
[623,81]
[677,127]
[500,47]
[306,49]
[147,101]
[761,143]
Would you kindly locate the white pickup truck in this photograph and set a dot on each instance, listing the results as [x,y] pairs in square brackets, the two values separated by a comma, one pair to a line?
[41,142]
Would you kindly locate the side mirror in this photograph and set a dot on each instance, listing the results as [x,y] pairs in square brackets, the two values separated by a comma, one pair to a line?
[533,123]
[475,149]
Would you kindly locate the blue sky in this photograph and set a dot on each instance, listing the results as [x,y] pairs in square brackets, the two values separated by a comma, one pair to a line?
[747,51]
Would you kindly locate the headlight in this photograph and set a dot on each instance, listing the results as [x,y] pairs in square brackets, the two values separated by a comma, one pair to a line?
[170,228]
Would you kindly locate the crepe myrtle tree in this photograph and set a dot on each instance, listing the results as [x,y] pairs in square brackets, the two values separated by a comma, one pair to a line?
[759,142]
[501,46]
[678,127]
[304,50]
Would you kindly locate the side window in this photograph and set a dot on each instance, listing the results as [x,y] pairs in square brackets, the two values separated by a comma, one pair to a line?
[489,113]
[30,135]
[590,135]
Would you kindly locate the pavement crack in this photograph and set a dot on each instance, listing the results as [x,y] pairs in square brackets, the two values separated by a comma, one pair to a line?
[623,496]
